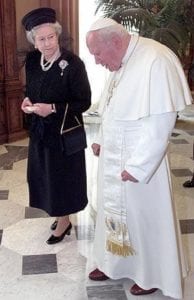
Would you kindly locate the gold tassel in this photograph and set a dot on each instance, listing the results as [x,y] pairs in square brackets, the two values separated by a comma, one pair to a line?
[119,249]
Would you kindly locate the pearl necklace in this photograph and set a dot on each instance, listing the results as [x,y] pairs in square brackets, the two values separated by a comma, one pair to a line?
[48,64]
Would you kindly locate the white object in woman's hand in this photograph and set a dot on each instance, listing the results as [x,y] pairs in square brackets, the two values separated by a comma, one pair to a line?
[30,108]
[26,104]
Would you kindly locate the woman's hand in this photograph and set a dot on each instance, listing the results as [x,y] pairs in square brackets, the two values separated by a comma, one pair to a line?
[42,109]
[96,149]
[27,106]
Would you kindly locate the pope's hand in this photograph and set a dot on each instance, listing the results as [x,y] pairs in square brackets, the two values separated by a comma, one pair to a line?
[96,149]
[126,176]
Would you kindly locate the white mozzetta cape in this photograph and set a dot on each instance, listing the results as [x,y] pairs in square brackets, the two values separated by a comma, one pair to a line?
[150,81]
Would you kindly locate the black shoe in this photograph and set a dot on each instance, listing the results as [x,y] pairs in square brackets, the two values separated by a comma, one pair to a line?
[54,225]
[56,239]
[189,183]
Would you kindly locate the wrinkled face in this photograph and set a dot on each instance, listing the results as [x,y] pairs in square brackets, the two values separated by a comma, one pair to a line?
[104,51]
[46,40]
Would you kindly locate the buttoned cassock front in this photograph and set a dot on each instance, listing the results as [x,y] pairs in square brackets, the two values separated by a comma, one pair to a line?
[136,126]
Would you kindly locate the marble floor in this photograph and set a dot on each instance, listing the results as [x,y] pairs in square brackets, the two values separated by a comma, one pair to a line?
[31,269]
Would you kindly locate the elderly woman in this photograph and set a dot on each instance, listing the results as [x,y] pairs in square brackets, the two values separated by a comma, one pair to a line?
[55,77]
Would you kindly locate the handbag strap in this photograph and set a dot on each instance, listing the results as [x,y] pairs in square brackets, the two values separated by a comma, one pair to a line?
[63,122]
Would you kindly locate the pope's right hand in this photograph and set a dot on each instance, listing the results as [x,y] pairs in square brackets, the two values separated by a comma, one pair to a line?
[96,149]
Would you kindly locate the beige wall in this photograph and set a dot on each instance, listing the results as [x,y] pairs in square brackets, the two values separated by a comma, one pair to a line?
[22,7]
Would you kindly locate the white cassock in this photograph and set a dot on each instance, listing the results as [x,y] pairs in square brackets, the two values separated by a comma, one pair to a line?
[136,126]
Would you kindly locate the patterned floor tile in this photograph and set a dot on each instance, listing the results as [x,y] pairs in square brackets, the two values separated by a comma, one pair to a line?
[29,236]
[71,262]
[190,132]
[1,233]
[11,269]
[181,172]
[14,153]
[10,213]
[106,292]
[39,264]
[52,286]
[187,226]
[31,212]
[179,141]
[4,194]
[174,134]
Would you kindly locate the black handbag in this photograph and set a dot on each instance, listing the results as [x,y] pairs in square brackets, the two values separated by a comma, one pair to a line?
[73,139]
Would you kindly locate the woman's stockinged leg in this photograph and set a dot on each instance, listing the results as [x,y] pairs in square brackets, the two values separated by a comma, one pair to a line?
[62,224]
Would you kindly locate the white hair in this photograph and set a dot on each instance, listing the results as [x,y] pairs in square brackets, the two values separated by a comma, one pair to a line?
[106,28]
[102,23]
[109,31]
[32,33]
[106,33]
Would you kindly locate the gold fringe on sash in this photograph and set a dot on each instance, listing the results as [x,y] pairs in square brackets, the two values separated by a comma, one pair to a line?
[117,241]
[119,249]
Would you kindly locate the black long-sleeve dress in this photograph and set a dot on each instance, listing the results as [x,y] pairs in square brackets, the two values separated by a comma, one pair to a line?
[57,182]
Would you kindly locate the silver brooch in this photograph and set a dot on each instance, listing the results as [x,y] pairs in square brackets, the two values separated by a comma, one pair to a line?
[63,64]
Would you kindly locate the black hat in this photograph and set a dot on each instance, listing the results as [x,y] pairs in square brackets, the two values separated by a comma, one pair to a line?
[39,16]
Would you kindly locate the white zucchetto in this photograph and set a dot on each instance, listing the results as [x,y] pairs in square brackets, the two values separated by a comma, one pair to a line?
[102,23]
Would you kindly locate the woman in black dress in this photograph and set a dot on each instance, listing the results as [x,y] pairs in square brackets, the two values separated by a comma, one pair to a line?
[54,77]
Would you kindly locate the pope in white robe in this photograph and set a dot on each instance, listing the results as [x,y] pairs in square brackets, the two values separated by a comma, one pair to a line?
[137,235]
